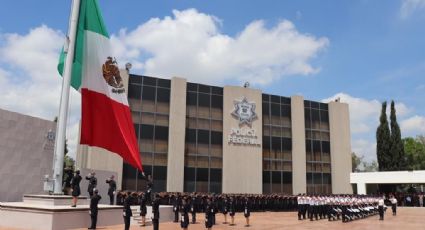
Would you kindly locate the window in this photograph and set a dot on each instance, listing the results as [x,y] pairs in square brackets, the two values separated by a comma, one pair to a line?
[148,93]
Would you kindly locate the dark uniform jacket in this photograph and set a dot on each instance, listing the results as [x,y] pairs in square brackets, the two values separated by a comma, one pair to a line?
[112,187]
[126,208]
[94,201]
[75,185]
[92,183]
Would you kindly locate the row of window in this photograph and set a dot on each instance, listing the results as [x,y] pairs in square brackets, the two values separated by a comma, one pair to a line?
[276,99]
[151,81]
[193,87]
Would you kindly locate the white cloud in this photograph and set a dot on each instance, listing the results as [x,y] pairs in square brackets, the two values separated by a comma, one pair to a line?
[364,120]
[190,45]
[414,124]
[364,147]
[29,81]
[408,7]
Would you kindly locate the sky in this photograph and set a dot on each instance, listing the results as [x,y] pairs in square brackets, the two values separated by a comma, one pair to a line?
[364,52]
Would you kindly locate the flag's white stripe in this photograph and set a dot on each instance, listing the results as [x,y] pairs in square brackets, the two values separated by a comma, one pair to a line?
[96,50]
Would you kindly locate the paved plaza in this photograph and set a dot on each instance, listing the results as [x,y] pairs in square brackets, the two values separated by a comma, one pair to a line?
[407,218]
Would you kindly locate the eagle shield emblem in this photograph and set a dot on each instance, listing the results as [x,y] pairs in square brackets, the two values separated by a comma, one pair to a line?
[111,74]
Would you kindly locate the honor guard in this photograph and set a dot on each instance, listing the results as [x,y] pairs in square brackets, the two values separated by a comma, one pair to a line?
[184,211]
[155,211]
[247,211]
[209,211]
[393,205]
[94,201]
[112,189]
[126,212]
[143,209]
[92,183]
[75,188]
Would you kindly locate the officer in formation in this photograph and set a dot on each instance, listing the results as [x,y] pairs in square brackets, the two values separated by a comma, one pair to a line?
[75,188]
[94,201]
[184,209]
[112,189]
[143,209]
[176,206]
[336,207]
[126,212]
[155,211]
[393,201]
[92,183]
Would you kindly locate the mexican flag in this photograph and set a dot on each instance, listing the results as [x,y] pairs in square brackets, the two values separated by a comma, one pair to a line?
[106,119]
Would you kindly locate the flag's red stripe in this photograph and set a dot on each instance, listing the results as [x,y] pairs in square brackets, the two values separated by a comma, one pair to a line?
[107,124]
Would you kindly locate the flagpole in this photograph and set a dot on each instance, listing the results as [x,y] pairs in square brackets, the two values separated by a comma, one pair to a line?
[64,101]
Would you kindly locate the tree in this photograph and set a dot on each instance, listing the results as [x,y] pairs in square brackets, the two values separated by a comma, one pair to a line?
[415,152]
[355,162]
[370,166]
[383,141]
[398,158]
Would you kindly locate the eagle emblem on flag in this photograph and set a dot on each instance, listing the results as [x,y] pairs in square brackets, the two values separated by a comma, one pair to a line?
[244,111]
[111,74]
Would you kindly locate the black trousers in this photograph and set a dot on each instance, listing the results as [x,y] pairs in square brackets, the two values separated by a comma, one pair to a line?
[155,224]
[93,217]
[111,199]
[127,222]
[193,217]
[394,208]
[381,212]
[176,216]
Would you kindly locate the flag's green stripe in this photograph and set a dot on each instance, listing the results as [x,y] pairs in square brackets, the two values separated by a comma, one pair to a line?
[90,18]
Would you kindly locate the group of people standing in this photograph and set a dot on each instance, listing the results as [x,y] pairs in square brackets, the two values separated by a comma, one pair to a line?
[188,206]
[72,187]
[342,207]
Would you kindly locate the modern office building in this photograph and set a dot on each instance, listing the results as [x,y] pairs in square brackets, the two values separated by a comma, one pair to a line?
[231,139]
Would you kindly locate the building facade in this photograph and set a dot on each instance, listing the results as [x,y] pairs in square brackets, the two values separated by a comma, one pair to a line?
[26,154]
[201,138]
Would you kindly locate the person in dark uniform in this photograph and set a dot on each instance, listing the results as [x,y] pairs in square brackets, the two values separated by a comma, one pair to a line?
[176,205]
[126,212]
[94,201]
[143,209]
[381,208]
[247,210]
[184,209]
[232,210]
[155,211]
[75,186]
[193,208]
[92,183]
[214,208]
[393,201]
[68,174]
[148,192]
[225,208]
[112,189]
[209,210]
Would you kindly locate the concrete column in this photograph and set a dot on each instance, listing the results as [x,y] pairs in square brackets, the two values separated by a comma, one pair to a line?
[242,162]
[176,135]
[340,137]
[361,188]
[299,181]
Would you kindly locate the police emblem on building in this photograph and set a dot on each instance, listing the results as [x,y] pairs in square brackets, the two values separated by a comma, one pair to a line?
[111,74]
[244,112]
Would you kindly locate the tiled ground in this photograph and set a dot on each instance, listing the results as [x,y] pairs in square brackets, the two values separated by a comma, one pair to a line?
[406,219]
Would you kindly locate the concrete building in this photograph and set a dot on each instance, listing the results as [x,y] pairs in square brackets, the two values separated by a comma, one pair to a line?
[363,179]
[196,137]
[26,154]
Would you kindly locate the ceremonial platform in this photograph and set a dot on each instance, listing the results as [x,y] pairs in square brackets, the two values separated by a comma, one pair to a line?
[54,212]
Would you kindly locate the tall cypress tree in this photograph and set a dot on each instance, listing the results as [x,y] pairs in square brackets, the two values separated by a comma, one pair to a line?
[383,141]
[398,161]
